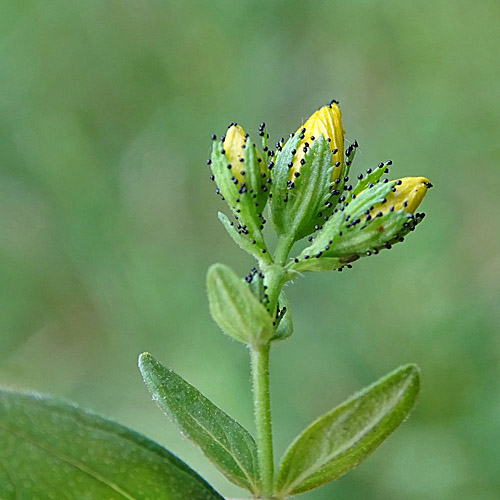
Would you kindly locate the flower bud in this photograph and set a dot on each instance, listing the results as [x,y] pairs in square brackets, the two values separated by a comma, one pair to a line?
[243,181]
[326,122]
[308,172]
[378,217]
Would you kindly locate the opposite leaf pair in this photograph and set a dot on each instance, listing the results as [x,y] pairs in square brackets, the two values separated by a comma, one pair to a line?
[327,449]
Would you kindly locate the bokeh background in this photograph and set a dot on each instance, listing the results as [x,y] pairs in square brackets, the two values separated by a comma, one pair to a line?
[108,218]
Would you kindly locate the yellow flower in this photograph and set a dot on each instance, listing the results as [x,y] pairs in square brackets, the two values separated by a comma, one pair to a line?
[234,145]
[327,122]
[406,194]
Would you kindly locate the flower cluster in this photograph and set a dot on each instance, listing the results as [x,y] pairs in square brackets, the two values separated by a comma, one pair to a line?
[305,183]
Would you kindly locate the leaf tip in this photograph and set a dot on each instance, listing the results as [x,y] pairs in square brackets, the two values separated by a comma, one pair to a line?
[145,360]
[411,371]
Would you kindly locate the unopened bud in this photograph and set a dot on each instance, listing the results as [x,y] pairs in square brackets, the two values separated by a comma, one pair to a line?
[243,181]
[308,171]
[379,217]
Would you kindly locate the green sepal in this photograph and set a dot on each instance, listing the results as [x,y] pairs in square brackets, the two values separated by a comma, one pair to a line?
[351,233]
[236,309]
[279,188]
[317,264]
[223,440]
[311,190]
[257,177]
[372,178]
[241,199]
[305,195]
[285,323]
[257,249]
[374,235]
[53,449]
[332,202]
[338,441]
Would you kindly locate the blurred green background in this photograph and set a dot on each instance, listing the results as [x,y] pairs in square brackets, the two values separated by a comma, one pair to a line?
[108,218]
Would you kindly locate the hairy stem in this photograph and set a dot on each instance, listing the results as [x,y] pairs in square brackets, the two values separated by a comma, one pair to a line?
[274,281]
[262,412]
[283,249]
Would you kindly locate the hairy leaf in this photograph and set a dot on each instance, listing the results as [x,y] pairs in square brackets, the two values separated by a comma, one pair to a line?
[338,441]
[225,442]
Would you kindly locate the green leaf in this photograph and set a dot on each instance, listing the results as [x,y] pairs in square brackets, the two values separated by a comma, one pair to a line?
[338,441]
[225,442]
[236,309]
[51,449]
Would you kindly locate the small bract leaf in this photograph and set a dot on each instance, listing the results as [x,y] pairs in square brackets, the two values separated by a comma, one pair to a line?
[338,441]
[236,309]
[223,440]
[285,326]
[244,241]
[51,449]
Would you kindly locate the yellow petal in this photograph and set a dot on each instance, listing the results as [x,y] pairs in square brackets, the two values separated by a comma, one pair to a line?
[234,146]
[410,191]
[327,122]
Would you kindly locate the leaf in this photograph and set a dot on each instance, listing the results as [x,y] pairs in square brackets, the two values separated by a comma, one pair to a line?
[223,440]
[338,441]
[236,309]
[51,449]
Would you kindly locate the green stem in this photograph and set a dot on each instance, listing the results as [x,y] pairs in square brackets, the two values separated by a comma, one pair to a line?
[262,412]
[283,249]
[274,280]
